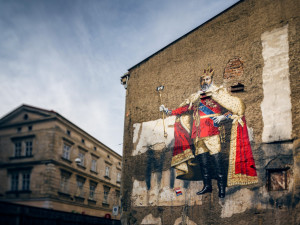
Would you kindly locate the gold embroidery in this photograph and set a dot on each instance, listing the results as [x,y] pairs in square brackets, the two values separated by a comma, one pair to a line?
[208,144]
[189,101]
[181,169]
[186,122]
[222,134]
[229,102]
[236,179]
[182,157]
[187,170]
[210,103]
[196,117]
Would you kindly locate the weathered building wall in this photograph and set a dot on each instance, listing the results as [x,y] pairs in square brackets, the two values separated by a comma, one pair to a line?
[255,43]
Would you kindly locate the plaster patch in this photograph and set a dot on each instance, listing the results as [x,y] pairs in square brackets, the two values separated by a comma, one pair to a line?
[150,219]
[250,133]
[139,193]
[136,129]
[161,194]
[187,221]
[238,202]
[276,105]
[151,134]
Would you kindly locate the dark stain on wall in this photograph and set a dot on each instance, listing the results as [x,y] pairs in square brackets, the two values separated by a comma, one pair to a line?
[172,177]
[157,161]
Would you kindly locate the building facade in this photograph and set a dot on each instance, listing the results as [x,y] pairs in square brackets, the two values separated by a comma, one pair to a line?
[248,115]
[47,161]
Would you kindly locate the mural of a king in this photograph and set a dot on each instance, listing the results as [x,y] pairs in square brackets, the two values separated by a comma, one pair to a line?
[198,138]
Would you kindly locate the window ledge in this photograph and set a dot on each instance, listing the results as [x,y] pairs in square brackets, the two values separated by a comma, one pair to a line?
[68,140]
[106,177]
[92,201]
[108,162]
[63,194]
[23,137]
[66,160]
[105,204]
[94,172]
[20,157]
[19,192]
[79,198]
[82,167]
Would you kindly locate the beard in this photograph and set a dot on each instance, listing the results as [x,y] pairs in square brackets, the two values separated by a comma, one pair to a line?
[205,87]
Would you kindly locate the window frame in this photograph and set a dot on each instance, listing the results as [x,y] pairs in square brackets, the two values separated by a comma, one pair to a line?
[66,154]
[119,177]
[21,148]
[81,156]
[26,180]
[20,180]
[94,165]
[106,195]
[14,181]
[28,147]
[107,171]
[92,191]
[18,148]
[80,181]
[65,182]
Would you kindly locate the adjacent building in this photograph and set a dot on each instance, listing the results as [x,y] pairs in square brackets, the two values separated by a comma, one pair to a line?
[253,48]
[47,161]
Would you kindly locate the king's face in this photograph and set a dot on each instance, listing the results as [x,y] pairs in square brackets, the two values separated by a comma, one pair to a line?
[205,82]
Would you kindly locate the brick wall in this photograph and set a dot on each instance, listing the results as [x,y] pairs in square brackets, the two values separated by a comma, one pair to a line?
[232,43]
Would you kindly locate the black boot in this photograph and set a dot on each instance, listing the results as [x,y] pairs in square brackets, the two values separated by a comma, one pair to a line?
[204,168]
[220,174]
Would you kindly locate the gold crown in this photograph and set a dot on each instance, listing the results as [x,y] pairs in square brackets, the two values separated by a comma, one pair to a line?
[208,71]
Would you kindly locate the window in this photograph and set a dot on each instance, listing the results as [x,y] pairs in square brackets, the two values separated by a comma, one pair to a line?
[80,184]
[14,183]
[20,180]
[23,147]
[28,148]
[94,165]
[26,181]
[118,177]
[66,151]
[117,196]
[25,117]
[81,157]
[18,149]
[64,182]
[92,190]
[30,128]
[107,171]
[68,132]
[106,193]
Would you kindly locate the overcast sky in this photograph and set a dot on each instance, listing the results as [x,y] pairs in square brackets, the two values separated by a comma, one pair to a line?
[68,55]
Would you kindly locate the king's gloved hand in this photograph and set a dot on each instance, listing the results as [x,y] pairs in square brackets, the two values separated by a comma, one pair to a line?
[162,108]
[219,119]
